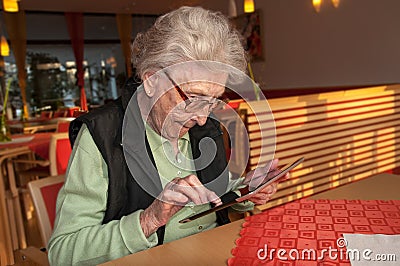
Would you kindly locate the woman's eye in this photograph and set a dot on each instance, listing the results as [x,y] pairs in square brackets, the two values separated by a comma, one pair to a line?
[193,97]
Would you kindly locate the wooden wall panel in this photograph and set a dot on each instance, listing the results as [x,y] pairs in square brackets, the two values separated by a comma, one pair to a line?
[343,135]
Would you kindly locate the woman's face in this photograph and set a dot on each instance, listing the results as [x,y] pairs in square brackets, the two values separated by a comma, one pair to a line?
[180,106]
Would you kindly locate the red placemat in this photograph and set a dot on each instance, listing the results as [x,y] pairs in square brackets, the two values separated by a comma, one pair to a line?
[38,143]
[310,232]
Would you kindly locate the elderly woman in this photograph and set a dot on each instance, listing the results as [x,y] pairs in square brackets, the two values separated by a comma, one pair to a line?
[135,169]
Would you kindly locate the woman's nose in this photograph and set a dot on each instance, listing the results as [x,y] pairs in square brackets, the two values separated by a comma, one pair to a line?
[200,119]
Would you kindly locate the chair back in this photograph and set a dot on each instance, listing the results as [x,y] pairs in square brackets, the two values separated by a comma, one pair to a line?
[44,193]
[72,110]
[46,114]
[63,126]
[60,113]
[78,113]
[59,153]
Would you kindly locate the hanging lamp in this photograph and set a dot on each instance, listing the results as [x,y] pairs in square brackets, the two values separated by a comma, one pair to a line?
[10,5]
[5,49]
[248,6]
[336,3]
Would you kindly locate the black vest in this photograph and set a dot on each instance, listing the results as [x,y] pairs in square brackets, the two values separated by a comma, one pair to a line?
[125,195]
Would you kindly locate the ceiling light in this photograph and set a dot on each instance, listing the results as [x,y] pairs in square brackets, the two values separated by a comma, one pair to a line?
[248,6]
[5,49]
[336,3]
[10,5]
[317,5]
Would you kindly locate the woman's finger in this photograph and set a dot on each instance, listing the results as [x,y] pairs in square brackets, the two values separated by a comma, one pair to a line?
[193,190]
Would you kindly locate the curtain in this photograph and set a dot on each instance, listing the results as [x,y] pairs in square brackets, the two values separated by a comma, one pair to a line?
[75,30]
[124,24]
[16,29]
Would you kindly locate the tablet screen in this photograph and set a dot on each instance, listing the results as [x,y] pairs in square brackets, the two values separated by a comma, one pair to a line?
[249,194]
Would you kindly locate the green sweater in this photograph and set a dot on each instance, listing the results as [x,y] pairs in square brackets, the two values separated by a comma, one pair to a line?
[80,238]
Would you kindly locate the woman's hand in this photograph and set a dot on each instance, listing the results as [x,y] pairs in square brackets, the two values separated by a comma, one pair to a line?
[261,175]
[174,197]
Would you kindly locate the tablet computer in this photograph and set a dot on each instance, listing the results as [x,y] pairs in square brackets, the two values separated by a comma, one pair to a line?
[247,195]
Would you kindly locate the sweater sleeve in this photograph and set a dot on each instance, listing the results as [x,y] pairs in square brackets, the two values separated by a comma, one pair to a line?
[79,237]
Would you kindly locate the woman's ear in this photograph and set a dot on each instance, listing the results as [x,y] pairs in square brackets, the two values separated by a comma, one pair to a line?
[149,84]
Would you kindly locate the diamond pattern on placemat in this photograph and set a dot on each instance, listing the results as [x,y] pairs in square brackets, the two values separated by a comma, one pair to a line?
[301,227]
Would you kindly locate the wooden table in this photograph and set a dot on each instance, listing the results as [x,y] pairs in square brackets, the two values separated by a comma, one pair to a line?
[30,127]
[214,247]
[38,143]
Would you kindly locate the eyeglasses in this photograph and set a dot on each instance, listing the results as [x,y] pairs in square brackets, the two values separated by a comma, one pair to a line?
[196,103]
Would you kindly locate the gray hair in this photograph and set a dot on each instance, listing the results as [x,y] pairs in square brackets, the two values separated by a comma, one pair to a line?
[187,34]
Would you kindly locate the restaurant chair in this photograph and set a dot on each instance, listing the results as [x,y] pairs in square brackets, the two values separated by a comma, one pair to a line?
[32,256]
[79,113]
[62,126]
[60,113]
[44,196]
[46,114]
[59,152]
[72,110]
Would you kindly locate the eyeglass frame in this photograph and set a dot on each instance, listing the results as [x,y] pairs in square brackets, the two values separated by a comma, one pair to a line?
[188,101]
